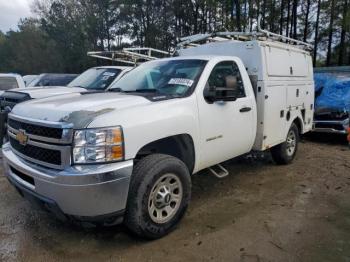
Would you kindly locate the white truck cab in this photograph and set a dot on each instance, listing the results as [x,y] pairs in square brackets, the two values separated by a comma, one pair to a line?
[128,154]
[10,81]
[92,80]
[96,78]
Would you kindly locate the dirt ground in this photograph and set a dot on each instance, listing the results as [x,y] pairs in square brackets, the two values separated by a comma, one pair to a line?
[261,212]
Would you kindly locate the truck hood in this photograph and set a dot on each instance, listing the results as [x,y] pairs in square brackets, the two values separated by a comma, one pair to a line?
[47,91]
[77,109]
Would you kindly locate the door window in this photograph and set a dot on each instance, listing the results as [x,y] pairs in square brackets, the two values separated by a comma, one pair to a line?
[7,83]
[218,76]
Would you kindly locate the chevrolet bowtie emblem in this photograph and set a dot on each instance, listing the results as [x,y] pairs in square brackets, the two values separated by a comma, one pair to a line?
[22,137]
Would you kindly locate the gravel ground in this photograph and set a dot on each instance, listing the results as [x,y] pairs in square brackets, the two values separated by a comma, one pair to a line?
[261,212]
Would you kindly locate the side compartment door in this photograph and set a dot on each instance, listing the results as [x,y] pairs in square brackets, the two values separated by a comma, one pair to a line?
[227,128]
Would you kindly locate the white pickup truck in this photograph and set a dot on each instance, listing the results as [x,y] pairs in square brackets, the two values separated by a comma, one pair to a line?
[10,81]
[96,78]
[92,80]
[128,154]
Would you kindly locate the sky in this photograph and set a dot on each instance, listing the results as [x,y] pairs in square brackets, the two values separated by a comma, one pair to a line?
[11,11]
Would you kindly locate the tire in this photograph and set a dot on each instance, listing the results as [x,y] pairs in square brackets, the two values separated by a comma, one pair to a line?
[284,153]
[148,192]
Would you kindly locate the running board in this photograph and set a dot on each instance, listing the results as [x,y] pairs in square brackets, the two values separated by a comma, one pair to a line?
[219,171]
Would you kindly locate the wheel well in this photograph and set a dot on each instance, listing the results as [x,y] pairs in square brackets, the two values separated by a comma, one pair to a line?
[179,146]
[299,124]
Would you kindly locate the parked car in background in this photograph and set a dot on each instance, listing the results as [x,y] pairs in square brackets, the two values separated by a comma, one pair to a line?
[96,78]
[7,82]
[99,78]
[10,81]
[28,79]
[52,80]
[92,80]
[332,99]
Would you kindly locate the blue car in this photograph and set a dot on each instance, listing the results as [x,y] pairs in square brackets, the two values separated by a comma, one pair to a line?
[332,99]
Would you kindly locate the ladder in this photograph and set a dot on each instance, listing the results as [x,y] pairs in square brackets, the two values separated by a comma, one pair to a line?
[259,34]
[130,56]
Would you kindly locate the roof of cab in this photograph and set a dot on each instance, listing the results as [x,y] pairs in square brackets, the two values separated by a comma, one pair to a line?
[9,74]
[194,57]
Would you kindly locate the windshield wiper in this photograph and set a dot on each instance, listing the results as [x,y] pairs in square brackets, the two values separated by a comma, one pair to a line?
[118,89]
[146,90]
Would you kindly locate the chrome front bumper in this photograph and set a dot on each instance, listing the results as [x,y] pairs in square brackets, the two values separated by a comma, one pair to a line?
[81,191]
[331,126]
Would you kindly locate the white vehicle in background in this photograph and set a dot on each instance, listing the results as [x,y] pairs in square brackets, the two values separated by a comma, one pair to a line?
[128,154]
[52,79]
[92,80]
[28,79]
[10,81]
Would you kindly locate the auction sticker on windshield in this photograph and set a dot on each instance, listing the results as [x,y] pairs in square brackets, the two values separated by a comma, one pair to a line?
[108,74]
[181,81]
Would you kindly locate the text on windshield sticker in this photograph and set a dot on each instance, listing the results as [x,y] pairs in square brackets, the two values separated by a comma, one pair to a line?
[181,81]
[108,74]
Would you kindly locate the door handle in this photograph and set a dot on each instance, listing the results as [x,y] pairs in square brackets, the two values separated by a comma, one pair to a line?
[245,109]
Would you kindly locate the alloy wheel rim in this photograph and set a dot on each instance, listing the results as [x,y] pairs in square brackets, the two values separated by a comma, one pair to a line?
[165,198]
[291,143]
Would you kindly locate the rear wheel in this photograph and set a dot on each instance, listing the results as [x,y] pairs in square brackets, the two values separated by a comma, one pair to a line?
[284,153]
[160,190]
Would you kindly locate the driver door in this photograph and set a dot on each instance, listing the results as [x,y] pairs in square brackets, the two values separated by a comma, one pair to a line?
[226,127]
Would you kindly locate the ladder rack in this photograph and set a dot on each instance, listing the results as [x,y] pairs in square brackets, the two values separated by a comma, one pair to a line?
[131,56]
[259,34]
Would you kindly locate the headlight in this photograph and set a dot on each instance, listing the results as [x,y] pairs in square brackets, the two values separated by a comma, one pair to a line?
[98,145]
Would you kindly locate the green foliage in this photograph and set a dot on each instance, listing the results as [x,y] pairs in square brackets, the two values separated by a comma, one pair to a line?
[29,50]
[66,29]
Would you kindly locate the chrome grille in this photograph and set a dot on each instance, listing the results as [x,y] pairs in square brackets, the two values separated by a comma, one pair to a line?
[41,142]
[41,154]
[36,130]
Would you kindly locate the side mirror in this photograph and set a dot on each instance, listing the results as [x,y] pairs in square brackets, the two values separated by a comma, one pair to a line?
[227,93]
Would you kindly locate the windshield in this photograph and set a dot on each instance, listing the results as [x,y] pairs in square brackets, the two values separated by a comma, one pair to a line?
[168,77]
[96,78]
[52,80]
[29,79]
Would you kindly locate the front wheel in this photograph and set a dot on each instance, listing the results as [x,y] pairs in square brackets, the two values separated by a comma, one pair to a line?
[284,153]
[160,190]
